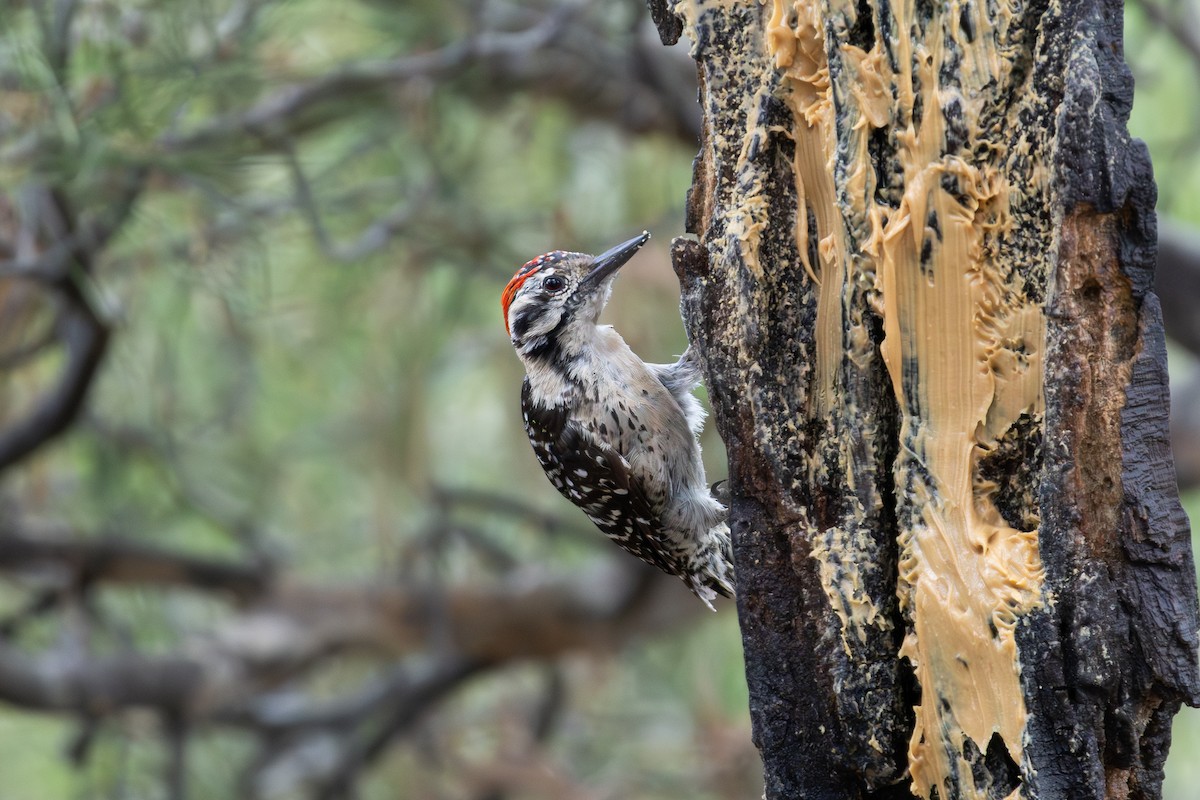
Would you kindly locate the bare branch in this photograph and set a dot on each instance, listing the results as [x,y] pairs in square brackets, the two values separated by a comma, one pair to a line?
[99,685]
[1184,35]
[50,265]
[231,677]
[1177,283]
[276,118]
[449,498]
[641,87]
[374,237]
[176,767]
[402,713]
[293,627]
[55,21]
[125,561]
[526,617]
[1185,425]
[86,339]
[286,712]
[79,328]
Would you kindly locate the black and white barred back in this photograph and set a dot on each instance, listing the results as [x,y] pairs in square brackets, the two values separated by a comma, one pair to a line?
[594,476]
[615,436]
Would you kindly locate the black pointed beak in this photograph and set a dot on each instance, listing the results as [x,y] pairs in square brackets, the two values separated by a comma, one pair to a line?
[612,260]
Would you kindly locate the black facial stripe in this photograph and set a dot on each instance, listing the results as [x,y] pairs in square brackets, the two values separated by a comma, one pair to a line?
[525,319]
[547,348]
[543,349]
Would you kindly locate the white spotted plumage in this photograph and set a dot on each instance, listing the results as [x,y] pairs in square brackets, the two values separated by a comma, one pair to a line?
[616,436]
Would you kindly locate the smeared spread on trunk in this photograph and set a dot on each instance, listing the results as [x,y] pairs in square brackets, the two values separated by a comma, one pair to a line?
[911,169]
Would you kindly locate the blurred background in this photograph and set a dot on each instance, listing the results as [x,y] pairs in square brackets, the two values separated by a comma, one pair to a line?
[266,491]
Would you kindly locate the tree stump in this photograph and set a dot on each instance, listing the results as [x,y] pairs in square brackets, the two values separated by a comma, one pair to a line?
[919,268]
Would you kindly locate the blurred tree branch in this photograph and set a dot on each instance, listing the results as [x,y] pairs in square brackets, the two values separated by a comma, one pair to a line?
[294,628]
[287,629]
[1177,280]
[64,268]
[1180,27]
[111,559]
[1185,425]
[642,89]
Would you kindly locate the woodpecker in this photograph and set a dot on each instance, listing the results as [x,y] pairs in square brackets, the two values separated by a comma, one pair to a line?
[615,435]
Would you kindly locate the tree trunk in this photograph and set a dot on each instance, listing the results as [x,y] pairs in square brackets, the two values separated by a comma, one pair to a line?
[918,265]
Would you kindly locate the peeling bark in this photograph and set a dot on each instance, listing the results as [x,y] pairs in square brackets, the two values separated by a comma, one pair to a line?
[918,264]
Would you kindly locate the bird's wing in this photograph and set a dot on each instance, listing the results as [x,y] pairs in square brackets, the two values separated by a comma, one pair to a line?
[594,476]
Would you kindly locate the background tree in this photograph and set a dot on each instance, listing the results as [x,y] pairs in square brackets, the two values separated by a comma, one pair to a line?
[270,525]
[922,286]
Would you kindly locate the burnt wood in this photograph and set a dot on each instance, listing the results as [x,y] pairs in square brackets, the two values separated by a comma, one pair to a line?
[1107,661]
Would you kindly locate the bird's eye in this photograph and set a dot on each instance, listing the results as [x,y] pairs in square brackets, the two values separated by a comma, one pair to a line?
[554,283]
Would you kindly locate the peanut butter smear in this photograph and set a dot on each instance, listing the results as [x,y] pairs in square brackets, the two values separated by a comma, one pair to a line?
[908,169]
[796,41]
[963,348]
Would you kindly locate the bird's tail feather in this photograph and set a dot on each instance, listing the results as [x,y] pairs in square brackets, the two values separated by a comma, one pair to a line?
[716,575]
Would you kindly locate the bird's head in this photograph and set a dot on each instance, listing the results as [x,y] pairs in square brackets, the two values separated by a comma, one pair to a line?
[556,298]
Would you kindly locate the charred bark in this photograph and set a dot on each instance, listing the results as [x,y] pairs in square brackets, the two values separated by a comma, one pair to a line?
[919,266]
